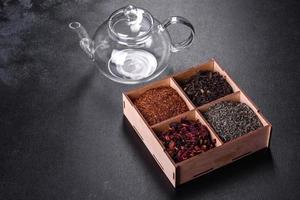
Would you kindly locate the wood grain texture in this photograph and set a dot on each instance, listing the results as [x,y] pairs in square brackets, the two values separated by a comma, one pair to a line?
[222,154]
[149,139]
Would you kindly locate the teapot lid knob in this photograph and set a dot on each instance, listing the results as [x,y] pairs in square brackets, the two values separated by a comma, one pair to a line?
[129,8]
[130,23]
[131,12]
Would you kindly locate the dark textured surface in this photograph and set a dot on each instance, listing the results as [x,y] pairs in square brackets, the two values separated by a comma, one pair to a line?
[62,133]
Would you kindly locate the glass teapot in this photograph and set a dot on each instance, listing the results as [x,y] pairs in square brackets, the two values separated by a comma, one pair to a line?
[131,46]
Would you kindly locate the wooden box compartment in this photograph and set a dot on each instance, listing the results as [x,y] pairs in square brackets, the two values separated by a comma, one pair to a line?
[222,154]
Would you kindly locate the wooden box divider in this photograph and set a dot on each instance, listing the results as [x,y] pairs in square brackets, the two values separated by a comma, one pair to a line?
[182,94]
[230,97]
[190,115]
[222,154]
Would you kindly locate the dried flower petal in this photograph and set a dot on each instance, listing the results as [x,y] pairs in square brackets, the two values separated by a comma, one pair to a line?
[185,139]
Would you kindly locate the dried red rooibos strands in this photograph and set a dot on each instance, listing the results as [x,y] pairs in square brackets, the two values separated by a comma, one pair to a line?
[159,104]
[186,139]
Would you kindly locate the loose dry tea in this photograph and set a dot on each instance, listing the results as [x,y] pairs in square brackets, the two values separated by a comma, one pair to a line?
[159,104]
[185,139]
[205,87]
[232,119]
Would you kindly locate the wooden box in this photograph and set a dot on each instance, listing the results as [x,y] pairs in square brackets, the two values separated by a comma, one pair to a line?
[222,154]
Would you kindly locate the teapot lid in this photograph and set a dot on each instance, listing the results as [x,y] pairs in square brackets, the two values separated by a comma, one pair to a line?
[130,23]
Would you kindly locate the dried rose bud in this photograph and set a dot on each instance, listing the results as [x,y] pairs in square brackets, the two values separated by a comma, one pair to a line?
[185,139]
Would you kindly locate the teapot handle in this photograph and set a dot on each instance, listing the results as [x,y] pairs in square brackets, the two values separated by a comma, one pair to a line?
[180,20]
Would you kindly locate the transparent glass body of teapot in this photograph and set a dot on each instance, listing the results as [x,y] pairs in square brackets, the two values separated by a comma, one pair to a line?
[131,46]
[135,61]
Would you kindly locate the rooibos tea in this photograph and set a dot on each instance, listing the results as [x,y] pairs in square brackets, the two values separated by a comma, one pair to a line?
[159,104]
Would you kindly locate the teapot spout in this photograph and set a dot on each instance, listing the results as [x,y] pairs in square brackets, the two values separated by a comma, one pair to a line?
[86,44]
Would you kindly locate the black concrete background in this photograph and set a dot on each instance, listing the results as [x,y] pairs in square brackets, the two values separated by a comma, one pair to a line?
[62,132]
